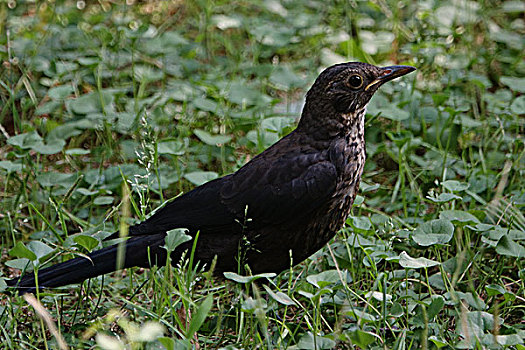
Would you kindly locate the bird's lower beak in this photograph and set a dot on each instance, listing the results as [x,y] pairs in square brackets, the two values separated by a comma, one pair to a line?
[389,73]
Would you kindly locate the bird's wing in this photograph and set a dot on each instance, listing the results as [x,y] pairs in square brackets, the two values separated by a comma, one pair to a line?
[198,210]
[270,189]
[274,192]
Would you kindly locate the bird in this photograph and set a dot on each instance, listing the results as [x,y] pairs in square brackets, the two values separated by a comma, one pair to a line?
[285,203]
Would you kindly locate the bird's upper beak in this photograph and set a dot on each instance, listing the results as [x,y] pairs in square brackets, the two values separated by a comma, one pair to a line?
[389,73]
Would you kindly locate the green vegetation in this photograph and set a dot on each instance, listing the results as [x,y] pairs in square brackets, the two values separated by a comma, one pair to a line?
[101,99]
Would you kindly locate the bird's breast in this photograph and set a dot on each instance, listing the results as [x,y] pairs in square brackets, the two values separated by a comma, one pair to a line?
[348,153]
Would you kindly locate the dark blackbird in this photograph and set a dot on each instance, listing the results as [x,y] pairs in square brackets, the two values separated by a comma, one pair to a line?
[292,197]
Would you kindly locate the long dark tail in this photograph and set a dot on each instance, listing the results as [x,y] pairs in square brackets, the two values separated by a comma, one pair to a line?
[141,251]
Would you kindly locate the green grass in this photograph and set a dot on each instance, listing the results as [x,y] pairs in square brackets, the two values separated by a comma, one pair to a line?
[103,100]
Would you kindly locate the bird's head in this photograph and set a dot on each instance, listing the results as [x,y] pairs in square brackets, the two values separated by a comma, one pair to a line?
[342,92]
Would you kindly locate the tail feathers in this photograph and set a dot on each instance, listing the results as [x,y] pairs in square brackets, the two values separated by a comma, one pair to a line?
[142,251]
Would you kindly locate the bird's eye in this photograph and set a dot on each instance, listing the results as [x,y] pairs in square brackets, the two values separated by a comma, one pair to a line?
[355,81]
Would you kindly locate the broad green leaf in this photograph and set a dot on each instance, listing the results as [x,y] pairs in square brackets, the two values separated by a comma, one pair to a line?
[394,113]
[379,296]
[508,247]
[505,340]
[518,105]
[361,223]
[174,147]
[472,300]
[246,279]
[433,232]
[438,342]
[224,22]
[480,227]
[401,137]
[285,79]
[362,338]
[103,200]
[311,342]
[361,315]
[262,138]
[212,140]
[25,141]
[364,187]
[324,278]
[431,311]
[88,61]
[60,92]
[39,63]
[205,104]
[200,177]
[468,122]
[125,122]
[447,13]
[64,132]
[276,7]
[39,248]
[52,146]
[358,201]
[48,107]
[243,95]
[280,297]
[168,343]
[498,232]
[494,289]
[276,36]
[516,235]
[455,186]
[357,240]
[306,294]
[458,215]
[377,41]
[146,74]
[63,67]
[10,166]
[437,304]
[175,238]
[77,152]
[329,57]
[396,310]
[180,91]
[408,262]
[252,305]
[515,83]
[21,251]
[429,114]
[90,103]
[444,197]
[85,241]
[85,192]
[277,124]
[20,264]
[475,323]
[513,6]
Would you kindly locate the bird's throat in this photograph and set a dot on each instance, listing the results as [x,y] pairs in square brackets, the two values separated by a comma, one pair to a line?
[353,123]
